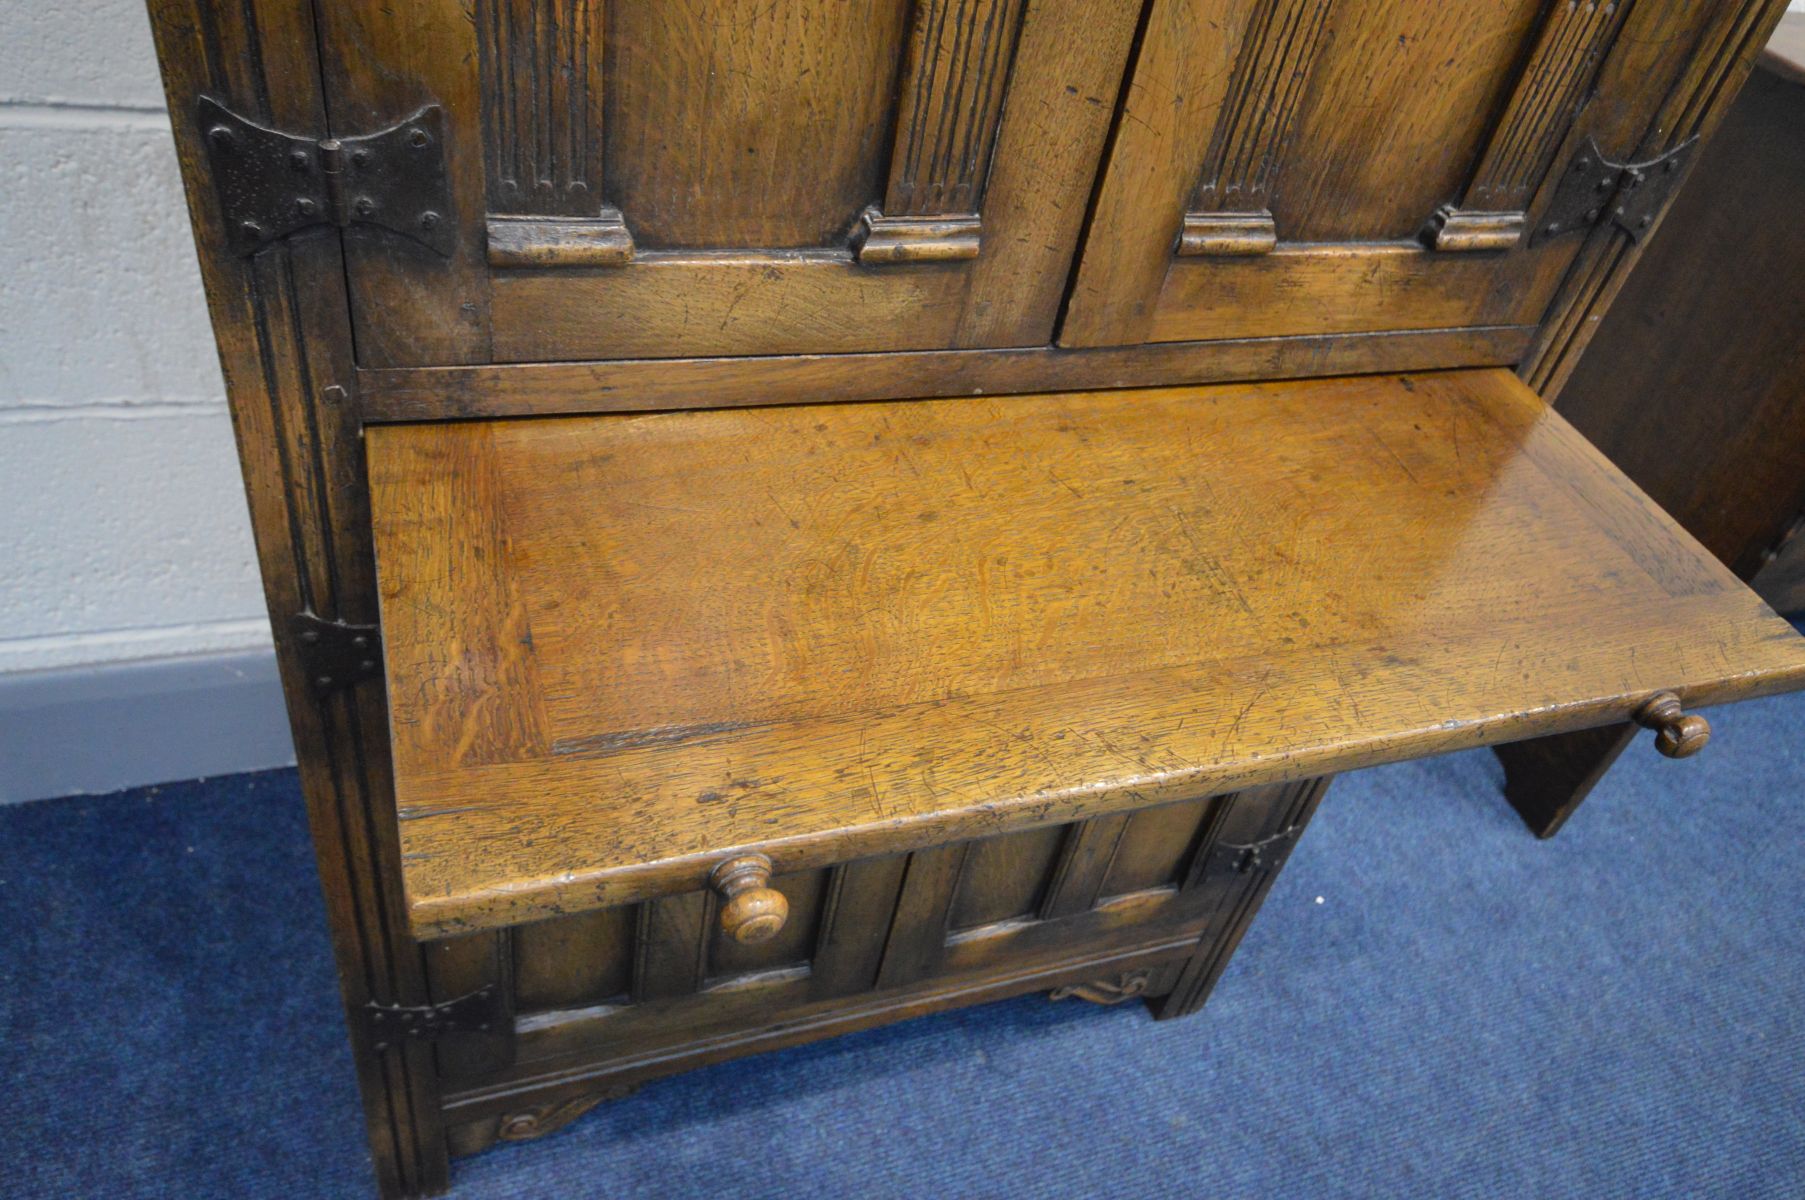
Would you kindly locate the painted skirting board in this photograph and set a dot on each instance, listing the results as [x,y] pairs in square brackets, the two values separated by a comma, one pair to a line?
[112,726]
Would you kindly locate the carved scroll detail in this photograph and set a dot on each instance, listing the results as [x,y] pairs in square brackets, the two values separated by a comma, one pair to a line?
[553,1115]
[1230,213]
[1124,987]
[1574,39]
[959,57]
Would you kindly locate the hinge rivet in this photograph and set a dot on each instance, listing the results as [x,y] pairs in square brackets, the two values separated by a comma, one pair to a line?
[1591,216]
[1584,164]
[418,139]
[251,229]
[360,157]
[221,136]
[429,220]
[300,161]
[310,637]
[364,206]
[1554,227]
[324,681]
[306,207]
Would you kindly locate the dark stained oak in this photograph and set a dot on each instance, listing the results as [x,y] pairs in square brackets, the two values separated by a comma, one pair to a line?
[545,389]
[623,648]
[282,321]
[708,732]
[1300,167]
[672,178]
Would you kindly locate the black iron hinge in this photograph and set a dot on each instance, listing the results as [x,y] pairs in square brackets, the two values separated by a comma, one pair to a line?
[1630,195]
[337,654]
[272,184]
[480,1011]
[1267,854]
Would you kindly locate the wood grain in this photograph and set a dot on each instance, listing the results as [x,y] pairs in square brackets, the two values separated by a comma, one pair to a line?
[746,155]
[381,61]
[1275,160]
[283,325]
[650,385]
[1353,288]
[960,52]
[542,92]
[1694,58]
[742,124]
[1568,52]
[1271,73]
[935,620]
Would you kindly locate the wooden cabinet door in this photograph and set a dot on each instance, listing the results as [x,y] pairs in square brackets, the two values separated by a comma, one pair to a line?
[1343,166]
[659,178]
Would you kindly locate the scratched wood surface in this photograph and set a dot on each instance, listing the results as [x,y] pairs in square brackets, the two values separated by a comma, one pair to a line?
[621,646]
[1344,131]
[726,152]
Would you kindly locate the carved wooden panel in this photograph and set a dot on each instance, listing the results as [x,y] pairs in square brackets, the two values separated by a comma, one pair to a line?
[1229,213]
[960,52]
[1302,167]
[1574,38]
[542,94]
[683,178]
[745,125]
[542,102]
[749,124]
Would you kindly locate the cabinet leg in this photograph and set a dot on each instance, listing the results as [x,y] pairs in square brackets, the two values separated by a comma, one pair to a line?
[1241,881]
[1546,778]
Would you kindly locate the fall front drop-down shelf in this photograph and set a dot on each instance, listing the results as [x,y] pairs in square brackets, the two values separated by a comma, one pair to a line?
[621,649]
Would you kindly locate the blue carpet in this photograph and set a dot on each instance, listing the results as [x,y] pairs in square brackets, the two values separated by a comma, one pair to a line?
[1431,1004]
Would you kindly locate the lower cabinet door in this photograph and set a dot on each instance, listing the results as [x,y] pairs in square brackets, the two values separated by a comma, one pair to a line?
[1143,904]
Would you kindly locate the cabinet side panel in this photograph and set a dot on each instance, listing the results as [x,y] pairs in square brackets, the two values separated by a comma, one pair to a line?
[284,337]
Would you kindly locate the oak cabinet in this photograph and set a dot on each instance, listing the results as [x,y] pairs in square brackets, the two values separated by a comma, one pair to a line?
[780,516]
[1289,167]
[648,178]
[1141,907]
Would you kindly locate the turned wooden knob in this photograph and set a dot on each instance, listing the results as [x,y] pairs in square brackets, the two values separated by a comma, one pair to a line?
[1678,734]
[751,909]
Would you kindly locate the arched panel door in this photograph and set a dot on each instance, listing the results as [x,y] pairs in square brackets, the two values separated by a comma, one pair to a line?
[1300,167]
[657,178]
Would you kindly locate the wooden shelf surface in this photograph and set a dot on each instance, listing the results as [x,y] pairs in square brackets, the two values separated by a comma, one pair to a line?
[619,647]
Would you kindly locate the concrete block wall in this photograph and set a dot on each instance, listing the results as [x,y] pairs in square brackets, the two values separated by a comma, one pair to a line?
[124,540]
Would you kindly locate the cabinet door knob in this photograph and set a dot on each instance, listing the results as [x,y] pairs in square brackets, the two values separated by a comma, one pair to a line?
[751,910]
[1678,734]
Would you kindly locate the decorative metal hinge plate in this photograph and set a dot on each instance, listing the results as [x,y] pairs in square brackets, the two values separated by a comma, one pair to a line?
[480,1011]
[336,654]
[1630,195]
[1267,854]
[272,184]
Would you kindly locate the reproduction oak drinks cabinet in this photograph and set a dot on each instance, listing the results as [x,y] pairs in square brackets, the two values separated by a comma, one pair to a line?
[784,516]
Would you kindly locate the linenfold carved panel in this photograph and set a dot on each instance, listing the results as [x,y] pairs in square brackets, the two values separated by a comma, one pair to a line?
[1229,213]
[542,105]
[952,101]
[1574,39]
[923,82]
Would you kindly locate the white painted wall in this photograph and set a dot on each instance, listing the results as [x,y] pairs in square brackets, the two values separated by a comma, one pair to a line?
[123,531]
